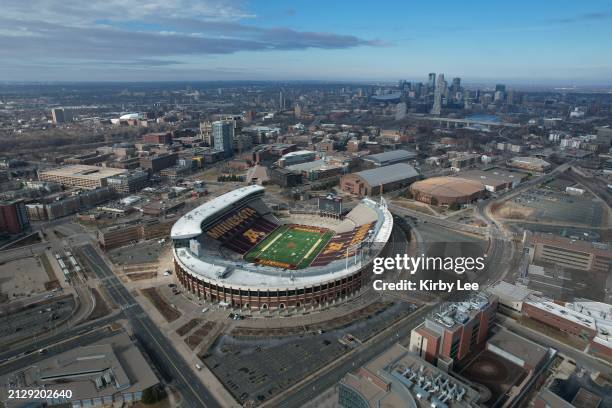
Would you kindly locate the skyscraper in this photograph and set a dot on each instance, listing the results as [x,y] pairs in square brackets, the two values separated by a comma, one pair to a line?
[439,90]
[223,136]
[281,101]
[510,97]
[431,82]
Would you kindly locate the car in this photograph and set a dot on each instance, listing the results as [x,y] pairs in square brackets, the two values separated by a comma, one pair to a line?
[198,367]
[205,310]
[166,273]
[172,285]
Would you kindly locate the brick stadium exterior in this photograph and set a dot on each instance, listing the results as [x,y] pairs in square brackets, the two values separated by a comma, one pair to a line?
[313,295]
[246,285]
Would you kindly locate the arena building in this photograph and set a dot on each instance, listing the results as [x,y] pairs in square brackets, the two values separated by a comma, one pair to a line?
[379,180]
[234,251]
[447,190]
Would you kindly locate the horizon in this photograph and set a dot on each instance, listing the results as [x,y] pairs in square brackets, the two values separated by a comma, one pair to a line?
[234,40]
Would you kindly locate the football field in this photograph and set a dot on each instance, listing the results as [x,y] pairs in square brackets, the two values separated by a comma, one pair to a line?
[290,246]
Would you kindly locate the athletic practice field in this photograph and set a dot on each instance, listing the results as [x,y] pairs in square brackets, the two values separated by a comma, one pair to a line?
[290,246]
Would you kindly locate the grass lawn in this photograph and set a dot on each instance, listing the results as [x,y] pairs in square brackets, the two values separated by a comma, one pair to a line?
[290,246]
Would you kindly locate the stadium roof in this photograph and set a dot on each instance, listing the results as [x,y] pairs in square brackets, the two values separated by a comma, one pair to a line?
[189,225]
[388,174]
[390,156]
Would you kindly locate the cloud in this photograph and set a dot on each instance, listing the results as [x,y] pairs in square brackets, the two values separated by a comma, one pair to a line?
[145,32]
[594,16]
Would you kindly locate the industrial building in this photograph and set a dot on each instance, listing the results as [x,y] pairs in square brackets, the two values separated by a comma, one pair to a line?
[379,180]
[528,163]
[89,177]
[388,158]
[447,190]
[456,329]
[571,253]
[399,378]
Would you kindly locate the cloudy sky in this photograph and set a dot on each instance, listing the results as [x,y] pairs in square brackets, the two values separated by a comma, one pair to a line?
[565,42]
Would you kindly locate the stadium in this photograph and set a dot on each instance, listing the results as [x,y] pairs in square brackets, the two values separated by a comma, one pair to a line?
[233,250]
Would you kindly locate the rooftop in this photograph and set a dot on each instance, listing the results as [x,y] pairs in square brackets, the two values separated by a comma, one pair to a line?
[391,155]
[82,171]
[448,186]
[388,174]
[411,382]
[509,291]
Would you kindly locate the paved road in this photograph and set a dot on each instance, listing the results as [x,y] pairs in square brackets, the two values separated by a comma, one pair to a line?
[54,339]
[65,344]
[313,388]
[167,360]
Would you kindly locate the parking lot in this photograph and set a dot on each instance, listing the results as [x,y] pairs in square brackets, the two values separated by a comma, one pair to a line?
[548,205]
[255,368]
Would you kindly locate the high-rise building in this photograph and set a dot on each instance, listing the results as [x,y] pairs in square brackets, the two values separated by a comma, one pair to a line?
[510,97]
[13,216]
[281,101]
[456,84]
[223,136]
[500,87]
[438,92]
[61,115]
[431,82]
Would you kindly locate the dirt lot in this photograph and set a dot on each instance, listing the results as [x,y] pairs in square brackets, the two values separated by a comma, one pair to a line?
[196,338]
[142,275]
[187,327]
[160,303]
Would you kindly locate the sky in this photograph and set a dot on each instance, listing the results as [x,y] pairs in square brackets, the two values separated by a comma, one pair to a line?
[530,42]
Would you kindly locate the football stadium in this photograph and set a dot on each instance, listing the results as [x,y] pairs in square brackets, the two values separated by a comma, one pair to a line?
[235,251]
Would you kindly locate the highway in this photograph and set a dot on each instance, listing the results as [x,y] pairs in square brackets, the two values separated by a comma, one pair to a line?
[167,360]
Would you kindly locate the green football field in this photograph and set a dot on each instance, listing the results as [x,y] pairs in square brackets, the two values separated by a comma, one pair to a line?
[290,246]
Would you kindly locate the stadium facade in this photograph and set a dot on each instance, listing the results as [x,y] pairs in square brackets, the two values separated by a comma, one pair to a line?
[233,250]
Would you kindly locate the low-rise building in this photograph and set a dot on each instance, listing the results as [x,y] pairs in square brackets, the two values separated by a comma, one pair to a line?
[398,378]
[83,176]
[110,372]
[388,158]
[379,180]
